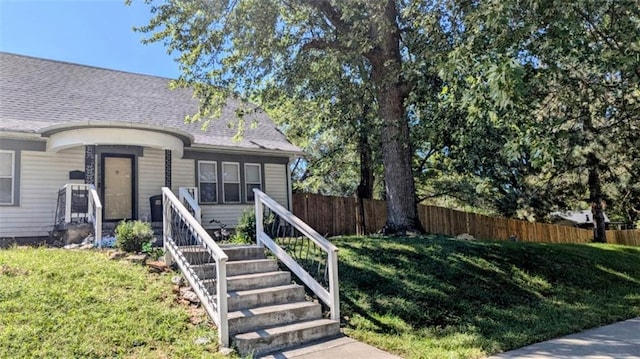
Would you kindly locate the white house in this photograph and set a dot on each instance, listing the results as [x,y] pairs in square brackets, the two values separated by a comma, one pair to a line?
[125,134]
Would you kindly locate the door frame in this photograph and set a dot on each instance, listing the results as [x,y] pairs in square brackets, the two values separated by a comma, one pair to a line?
[134,180]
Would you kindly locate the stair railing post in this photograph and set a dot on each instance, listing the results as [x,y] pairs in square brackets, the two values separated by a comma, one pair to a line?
[259,216]
[333,284]
[166,227]
[221,278]
[67,209]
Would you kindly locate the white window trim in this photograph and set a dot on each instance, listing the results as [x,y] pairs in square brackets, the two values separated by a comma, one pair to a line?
[239,183]
[215,167]
[12,177]
[247,183]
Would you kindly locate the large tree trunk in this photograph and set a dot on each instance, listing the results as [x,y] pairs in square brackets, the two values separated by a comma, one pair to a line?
[365,187]
[386,63]
[595,196]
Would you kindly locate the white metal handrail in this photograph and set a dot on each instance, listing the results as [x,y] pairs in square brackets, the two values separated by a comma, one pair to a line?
[95,214]
[216,306]
[331,297]
[92,214]
[189,198]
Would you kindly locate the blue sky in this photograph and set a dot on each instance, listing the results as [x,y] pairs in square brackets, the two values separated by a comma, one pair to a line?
[89,32]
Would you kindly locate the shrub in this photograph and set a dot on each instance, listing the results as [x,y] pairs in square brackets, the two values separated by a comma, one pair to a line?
[246,227]
[132,235]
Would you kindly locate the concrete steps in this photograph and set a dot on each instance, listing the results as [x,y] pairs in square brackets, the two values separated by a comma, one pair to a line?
[285,336]
[252,298]
[266,311]
[235,268]
[245,320]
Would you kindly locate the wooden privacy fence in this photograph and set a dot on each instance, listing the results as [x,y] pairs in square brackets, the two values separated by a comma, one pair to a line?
[334,216]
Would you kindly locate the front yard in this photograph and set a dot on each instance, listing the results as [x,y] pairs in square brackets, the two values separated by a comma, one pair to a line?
[425,297]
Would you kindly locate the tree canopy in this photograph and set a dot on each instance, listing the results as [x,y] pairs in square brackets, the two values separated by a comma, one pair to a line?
[513,107]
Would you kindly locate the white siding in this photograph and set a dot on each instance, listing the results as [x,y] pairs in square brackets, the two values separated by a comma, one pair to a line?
[182,174]
[42,175]
[225,213]
[150,179]
[276,183]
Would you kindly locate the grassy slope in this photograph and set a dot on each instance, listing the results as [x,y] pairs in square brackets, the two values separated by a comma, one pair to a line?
[434,297]
[419,297]
[70,304]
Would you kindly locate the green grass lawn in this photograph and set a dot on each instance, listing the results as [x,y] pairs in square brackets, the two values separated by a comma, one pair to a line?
[426,297]
[433,297]
[57,303]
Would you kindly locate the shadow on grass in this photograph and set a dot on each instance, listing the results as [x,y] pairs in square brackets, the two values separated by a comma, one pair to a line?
[504,294]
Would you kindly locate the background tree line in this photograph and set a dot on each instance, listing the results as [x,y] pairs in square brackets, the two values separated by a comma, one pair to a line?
[509,107]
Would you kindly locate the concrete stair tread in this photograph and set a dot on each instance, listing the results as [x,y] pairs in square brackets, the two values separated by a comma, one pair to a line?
[270,339]
[254,275]
[251,298]
[252,281]
[239,293]
[244,313]
[286,329]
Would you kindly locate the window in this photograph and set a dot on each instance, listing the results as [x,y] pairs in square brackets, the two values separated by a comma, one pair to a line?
[252,179]
[208,181]
[7,176]
[231,182]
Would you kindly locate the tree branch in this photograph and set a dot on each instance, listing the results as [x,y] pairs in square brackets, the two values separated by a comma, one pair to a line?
[319,44]
[333,15]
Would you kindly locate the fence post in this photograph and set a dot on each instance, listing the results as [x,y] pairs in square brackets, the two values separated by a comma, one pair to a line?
[259,216]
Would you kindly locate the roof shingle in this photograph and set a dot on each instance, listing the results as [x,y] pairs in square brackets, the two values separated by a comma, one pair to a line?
[38,93]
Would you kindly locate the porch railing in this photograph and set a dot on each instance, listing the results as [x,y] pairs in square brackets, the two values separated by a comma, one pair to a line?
[310,256]
[184,235]
[189,198]
[80,203]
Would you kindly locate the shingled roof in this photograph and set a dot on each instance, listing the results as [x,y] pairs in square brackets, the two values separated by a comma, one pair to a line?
[36,94]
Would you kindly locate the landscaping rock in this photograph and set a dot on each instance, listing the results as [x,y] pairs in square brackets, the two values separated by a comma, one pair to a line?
[72,246]
[226,351]
[86,246]
[117,255]
[177,280]
[202,341]
[191,297]
[466,237]
[157,266]
[137,258]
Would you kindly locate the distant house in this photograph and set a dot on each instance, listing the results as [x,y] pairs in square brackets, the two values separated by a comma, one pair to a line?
[581,219]
[125,134]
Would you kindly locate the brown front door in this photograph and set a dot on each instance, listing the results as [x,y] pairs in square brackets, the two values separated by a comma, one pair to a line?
[118,180]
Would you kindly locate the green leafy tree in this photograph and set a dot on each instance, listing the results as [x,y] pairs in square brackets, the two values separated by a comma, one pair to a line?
[559,82]
[231,47]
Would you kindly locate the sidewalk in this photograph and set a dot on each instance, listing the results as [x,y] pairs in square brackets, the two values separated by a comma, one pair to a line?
[341,347]
[616,341]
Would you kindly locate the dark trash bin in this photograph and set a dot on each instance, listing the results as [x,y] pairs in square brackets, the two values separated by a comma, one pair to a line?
[156,208]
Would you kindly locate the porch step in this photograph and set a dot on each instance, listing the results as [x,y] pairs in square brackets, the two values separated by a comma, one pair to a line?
[280,337]
[251,281]
[243,252]
[244,299]
[197,254]
[246,320]
[208,271]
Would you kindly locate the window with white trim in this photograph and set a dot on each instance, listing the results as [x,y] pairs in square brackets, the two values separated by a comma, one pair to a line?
[7,177]
[231,182]
[252,179]
[208,181]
